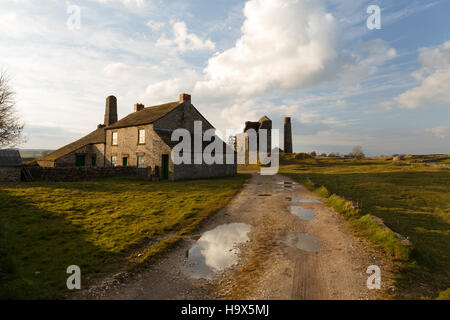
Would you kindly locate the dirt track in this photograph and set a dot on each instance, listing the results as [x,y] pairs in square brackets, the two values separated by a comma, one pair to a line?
[270,264]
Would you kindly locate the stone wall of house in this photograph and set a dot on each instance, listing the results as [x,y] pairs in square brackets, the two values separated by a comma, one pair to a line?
[89,151]
[127,146]
[197,171]
[182,117]
[77,173]
[10,173]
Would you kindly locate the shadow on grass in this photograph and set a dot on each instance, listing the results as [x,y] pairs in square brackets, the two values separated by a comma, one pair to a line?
[37,246]
[129,183]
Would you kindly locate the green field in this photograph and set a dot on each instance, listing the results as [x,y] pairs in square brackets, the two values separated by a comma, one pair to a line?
[102,226]
[413,200]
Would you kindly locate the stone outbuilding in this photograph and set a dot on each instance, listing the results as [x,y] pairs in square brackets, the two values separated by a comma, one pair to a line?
[141,139]
[10,165]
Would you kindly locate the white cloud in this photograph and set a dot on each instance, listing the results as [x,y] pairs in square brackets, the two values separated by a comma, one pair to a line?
[435,79]
[137,3]
[155,25]
[289,45]
[185,41]
[441,132]
[285,44]
[168,90]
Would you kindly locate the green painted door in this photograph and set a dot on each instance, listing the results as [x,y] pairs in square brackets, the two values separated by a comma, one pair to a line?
[165,166]
[125,161]
[80,161]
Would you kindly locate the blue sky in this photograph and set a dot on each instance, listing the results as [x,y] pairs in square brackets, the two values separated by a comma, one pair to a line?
[387,90]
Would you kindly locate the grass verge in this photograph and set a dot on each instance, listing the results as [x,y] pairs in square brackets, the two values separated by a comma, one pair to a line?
[365,225]
[411,199]
[101,226]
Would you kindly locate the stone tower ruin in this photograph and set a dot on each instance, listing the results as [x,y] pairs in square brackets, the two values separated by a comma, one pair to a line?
[287,135]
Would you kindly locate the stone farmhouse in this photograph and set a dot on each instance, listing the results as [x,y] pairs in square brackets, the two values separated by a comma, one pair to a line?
[142,139]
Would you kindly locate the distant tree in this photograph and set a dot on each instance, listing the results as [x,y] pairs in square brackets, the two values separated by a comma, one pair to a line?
[10,124]
[313,154]
[331,155]
[338,154]
[323,155]
[357,152]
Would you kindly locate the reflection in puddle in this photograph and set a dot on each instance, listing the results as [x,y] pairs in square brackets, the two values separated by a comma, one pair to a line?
[308,243]
[216,250]
[304,200]
[302,213]
[286,182]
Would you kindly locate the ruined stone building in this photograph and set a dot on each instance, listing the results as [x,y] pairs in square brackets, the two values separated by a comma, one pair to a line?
[245,148]
[287,135]
[254,128]
[141,139]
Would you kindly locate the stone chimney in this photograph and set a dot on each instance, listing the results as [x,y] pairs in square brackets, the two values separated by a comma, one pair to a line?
[138,107]
[110,111]
[185,97]
[287,135]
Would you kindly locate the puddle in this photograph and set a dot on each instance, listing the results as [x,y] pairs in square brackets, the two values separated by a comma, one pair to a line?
[304,200]
[216,250]
[308,243]
[286,182]
[302,213]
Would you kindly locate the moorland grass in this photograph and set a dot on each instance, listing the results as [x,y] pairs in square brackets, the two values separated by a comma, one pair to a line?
[412,200]
[101,226]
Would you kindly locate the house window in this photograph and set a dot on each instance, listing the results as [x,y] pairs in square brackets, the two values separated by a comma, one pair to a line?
[80,161]
[114,161]
[125,161]
[141,135]
[114,138]
[94,161]
[140,161]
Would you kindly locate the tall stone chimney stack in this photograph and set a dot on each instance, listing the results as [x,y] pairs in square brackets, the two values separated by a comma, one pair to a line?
[111,110]
[287,135]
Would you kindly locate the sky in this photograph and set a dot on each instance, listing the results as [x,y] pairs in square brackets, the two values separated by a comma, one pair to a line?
[316,61]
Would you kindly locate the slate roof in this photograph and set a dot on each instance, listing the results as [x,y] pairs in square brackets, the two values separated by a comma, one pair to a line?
[10,158]
[145,116]
[97,136]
